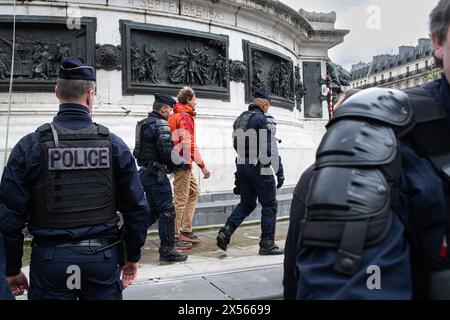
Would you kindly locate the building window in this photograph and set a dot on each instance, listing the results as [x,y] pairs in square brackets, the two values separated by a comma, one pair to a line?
[417,68]
[426,64]
[390,76]
[407,71]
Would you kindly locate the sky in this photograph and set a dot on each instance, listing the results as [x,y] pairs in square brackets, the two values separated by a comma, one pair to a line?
[376,26]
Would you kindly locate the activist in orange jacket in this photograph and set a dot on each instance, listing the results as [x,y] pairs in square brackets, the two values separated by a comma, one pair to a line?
[182,126]
[185,185]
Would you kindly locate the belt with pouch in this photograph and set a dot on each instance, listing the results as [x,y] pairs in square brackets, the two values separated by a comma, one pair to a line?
[151,168]
[102,244]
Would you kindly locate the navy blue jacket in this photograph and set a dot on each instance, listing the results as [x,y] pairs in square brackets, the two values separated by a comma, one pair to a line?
[7,222]
[309,272]
[23,170]
[5,291]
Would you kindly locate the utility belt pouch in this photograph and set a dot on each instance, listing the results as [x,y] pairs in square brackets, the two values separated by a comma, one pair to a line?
[158,170]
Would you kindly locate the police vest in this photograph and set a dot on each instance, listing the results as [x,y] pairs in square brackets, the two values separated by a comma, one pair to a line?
[76,187]
[146,151]
[352,196]
[242,139]
[246,142]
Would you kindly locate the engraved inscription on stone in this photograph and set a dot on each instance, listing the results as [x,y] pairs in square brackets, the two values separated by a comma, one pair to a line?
[193,9]
[170,6]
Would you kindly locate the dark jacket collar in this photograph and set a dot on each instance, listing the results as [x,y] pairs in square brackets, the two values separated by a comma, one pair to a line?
[440,89]
[155,114]
[73,113]
[255,108]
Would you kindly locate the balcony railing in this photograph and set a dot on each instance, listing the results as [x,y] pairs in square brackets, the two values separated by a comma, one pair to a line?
[399,77]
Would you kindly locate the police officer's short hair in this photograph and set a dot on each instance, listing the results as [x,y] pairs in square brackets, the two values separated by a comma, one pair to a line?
[440,19]
[69,90]
[157,106]
[185,94]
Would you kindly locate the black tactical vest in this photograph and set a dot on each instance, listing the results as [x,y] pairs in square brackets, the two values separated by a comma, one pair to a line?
[240,127]
[76,187]
[145,151]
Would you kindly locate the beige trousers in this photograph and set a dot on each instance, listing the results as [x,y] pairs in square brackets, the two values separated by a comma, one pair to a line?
[186,193]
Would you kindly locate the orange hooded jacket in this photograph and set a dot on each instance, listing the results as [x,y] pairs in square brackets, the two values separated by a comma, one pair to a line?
[182,126]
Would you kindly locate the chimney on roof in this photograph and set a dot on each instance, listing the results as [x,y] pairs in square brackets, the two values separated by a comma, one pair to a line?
[404,49]
[424,42]
[358,66]
[381,57]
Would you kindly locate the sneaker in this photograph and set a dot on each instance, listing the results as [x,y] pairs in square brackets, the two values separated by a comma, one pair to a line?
[189,237]
[171,255]
[182,245]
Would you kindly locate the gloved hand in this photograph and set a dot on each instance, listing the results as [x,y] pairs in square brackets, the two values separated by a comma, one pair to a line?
[280,181]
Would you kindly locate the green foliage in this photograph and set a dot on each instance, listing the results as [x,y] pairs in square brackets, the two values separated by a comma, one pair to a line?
[432,75]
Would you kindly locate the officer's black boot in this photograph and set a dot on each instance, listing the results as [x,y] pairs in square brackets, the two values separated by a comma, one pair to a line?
[224,236]
[167,252]
[267,247]
[170,254]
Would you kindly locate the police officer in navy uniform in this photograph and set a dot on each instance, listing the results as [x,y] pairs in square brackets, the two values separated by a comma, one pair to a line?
[5,291]
[373,214]
[153,152]
[7,221]
[66,182]
[258,158]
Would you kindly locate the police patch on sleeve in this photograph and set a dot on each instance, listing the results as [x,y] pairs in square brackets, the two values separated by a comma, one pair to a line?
[78,158]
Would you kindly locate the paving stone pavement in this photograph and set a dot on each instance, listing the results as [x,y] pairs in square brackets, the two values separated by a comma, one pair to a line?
[210,273]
